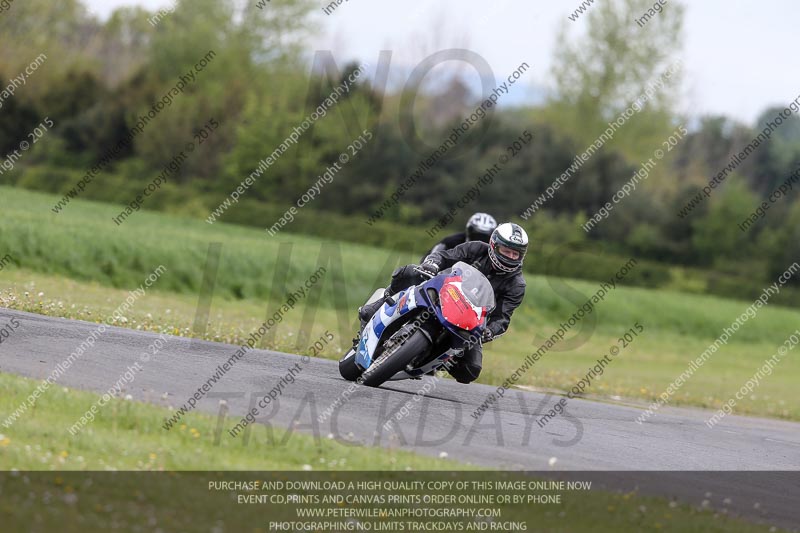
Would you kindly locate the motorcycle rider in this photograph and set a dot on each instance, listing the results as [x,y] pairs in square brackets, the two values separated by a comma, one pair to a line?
[479,228]
[500,261]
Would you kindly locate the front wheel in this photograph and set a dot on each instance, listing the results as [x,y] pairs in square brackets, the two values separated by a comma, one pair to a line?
[395,359]
[348,368]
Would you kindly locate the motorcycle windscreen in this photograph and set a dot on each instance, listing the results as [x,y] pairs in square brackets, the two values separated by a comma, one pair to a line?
[466,297]
[475,286]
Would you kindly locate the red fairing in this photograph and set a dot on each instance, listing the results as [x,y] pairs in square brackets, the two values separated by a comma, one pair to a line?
[456,309]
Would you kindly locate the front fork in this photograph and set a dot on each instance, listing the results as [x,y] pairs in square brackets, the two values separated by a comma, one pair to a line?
[443,343]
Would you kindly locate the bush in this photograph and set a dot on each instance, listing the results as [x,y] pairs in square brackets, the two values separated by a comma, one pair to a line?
[594,264]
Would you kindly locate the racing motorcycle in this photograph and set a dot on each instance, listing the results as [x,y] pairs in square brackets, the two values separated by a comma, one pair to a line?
[427,325]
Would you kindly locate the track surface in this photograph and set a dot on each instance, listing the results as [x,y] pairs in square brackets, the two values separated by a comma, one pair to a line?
[595,436]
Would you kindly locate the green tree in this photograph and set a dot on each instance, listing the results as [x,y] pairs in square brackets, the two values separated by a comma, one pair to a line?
[779,157]
[717,237]
[18,119]
[600,74]
[252,51]
[60,30]
[782,244]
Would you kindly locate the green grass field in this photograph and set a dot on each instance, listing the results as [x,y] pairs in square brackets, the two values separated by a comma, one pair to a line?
[127,436]
[80,265]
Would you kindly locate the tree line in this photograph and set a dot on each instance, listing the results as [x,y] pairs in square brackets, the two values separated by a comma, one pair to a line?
[102,76]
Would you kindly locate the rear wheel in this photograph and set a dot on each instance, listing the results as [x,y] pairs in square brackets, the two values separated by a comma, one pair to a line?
[394,359]
[348,367]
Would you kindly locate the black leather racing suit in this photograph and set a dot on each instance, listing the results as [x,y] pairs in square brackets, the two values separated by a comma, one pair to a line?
[509,290]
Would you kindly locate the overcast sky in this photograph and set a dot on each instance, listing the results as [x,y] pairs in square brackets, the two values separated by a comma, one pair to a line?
[739,54]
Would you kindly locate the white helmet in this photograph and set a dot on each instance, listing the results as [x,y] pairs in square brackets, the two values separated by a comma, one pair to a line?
[508,246]
[480,227]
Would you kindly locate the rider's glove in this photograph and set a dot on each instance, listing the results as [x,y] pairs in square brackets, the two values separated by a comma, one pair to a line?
[430,267]
[487,335]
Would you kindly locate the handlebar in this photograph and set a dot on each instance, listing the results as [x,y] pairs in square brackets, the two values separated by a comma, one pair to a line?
[423,273]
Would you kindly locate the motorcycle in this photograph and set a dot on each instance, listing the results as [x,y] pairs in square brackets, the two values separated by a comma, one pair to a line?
[423,330]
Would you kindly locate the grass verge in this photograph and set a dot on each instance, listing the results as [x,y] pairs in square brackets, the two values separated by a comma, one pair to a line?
[127,435]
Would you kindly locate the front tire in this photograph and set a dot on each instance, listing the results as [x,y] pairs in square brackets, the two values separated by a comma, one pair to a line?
[348,368]
[395,359]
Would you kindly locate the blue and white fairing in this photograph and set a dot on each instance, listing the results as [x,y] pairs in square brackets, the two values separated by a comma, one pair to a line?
[417,297]
[406,301]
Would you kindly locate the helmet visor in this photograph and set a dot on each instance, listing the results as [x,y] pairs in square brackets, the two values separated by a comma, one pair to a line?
[508,253]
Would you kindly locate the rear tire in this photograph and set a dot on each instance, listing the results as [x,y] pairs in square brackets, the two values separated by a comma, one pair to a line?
[348,367]
[395,359]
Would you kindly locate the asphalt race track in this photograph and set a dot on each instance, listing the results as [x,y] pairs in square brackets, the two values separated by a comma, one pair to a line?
[593,437]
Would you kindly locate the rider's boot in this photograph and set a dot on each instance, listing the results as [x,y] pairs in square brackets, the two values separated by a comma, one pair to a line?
[366,311]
